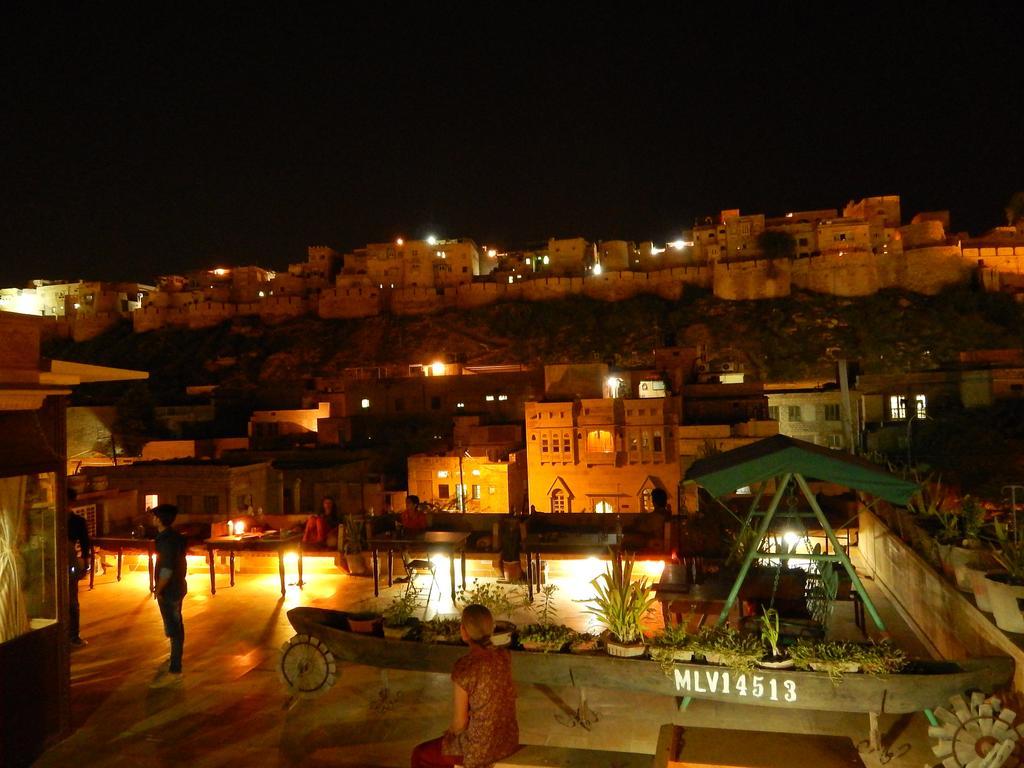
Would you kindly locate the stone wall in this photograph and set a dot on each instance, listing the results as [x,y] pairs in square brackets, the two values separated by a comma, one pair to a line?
[755,279]
[349,302]
[850,274]
[925,270]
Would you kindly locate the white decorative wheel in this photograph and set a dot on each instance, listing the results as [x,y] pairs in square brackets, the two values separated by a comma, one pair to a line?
[977,734]
[307,667]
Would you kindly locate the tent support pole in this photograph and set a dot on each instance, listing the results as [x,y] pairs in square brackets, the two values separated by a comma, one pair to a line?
[753,552]
[844,558]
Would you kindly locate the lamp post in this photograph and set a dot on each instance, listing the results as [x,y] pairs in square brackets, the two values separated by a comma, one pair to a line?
[462,486]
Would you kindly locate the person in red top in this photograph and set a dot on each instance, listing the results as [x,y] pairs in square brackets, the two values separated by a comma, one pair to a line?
[484,728]
[414,520]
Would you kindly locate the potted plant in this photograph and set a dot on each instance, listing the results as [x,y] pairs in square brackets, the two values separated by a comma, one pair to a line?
[364,622]
[584,642]
[354,546]
[672,644]
[442,629]
[399,616]
[778,658]
[971,556]
[545,635]
[1005,588]
[620,604]
[882,658]
[722,645]
[500,602]
[835,657]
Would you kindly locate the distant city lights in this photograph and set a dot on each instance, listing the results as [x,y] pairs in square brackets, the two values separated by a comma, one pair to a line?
[431,240]
[437,368]
[399,241]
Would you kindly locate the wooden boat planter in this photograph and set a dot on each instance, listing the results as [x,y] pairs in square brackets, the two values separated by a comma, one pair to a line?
[308,668]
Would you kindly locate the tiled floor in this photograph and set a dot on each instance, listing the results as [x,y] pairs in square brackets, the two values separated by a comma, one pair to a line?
[232,710]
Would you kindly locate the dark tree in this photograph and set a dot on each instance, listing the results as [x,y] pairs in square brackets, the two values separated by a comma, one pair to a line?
[775,244]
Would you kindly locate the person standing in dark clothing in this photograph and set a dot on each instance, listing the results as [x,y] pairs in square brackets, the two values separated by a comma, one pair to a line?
[171,586]
[78,566]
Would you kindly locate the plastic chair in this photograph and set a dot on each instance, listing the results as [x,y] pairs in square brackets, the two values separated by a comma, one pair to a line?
[420,567]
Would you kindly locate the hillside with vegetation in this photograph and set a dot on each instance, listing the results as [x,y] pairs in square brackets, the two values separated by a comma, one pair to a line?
[784,339]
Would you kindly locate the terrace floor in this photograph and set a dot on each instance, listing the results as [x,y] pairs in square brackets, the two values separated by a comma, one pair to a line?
[231,708]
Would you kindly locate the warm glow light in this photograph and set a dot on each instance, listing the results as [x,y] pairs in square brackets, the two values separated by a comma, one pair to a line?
[442,473]
[437,368]
[597,269]
[431,240]
[655,251]
[476,473]
[678,244]
[546,259]
[791,538]
[262,294]
[613,383]
[491,252]
[239,527]
[399,241]
[365,403]
[291,559]
[77,305]
[220,271]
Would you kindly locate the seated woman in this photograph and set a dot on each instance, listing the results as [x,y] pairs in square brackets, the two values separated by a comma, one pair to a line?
[320,525]
[484,728]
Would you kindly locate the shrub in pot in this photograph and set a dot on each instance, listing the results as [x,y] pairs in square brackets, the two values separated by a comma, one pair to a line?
[670,645]
[500,601]
[442,629]
[354,546]
[725,646]
[620,605]
[835,657]
[399,616]
[545,635]
[778,658]
[1006,588]
[584,642]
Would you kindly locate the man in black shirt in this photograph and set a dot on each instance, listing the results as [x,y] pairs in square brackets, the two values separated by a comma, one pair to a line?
[171,586]
[78,564]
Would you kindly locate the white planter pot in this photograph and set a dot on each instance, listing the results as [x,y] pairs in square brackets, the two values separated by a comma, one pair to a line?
[615,648]
[979,586]
[956,560]
[781,664]
[1006,605]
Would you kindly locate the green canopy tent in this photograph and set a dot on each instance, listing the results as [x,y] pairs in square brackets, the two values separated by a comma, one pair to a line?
[787,461]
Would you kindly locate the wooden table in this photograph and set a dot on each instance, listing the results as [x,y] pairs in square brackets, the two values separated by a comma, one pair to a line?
[253,543]
[537,544]
[446,542]
[120,544]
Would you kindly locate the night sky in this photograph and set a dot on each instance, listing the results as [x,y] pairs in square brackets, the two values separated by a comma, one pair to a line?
[143,142]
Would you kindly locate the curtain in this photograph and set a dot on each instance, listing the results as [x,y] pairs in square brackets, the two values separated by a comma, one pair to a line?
[13,609]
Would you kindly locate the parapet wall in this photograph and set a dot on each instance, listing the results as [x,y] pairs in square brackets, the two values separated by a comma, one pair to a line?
[755,279]
[855,273]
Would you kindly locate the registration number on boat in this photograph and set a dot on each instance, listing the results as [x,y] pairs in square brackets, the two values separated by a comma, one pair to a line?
[717,681]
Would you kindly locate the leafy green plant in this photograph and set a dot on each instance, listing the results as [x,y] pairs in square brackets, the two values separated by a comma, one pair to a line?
[553,637]
[355,535]
[544,608]
[972,515]
[882,658]
[441,629]
[770,630]
[619,603]
[835,657]
[402,608]
[929,504]
[666,645]
[583,641]
[1009,552]
[500,601]
[726,646]
[822,598]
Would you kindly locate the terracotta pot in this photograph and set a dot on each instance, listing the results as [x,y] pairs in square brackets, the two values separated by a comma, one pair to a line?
[1005,599]
[365,626]
[513,570]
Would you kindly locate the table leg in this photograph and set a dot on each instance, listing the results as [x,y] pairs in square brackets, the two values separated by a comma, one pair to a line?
[301,582]
[120,554]
[376,572]
[213,576]
[451,574]
[92,566]
[280,569]
[391,558]
[149,563]
[463,568]
[231,567]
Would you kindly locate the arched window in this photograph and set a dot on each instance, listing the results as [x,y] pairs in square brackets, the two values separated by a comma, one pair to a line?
[603,507]
[558,500]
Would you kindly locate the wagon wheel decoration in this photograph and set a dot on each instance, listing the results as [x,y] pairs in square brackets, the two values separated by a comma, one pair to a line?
[307,667]
[977,734]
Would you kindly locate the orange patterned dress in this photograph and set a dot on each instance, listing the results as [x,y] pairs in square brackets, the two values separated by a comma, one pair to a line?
[493,732]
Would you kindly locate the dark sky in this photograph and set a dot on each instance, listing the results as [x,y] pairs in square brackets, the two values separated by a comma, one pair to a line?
[138,142]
